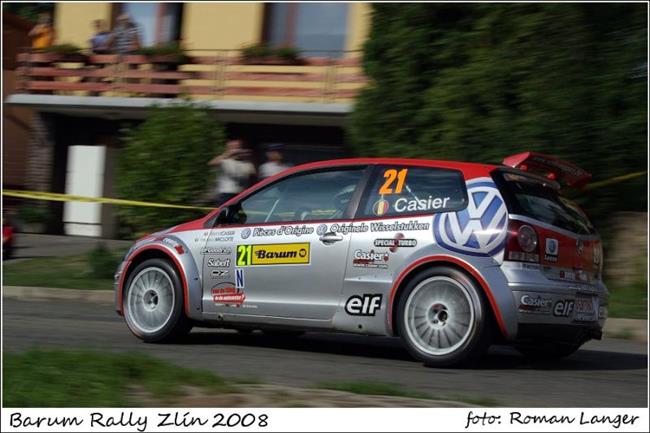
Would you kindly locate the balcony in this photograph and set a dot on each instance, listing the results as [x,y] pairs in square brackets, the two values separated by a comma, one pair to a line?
[200,75]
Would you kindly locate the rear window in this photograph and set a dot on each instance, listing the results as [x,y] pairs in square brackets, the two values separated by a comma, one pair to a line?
[529,197]
[401,191]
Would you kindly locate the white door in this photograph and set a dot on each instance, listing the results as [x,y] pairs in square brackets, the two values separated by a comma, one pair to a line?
[85,177]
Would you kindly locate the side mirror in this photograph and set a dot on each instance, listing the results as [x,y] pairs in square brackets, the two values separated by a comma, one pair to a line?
[223,216]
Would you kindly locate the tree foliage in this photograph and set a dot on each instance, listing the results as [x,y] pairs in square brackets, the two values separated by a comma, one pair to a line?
[478,82]
[28,11]
[164,160]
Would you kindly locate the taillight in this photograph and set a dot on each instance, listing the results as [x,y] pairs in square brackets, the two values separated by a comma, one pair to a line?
[527,238]
[522,243]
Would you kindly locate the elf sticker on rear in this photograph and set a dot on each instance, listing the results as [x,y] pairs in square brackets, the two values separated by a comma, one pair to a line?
[552,249]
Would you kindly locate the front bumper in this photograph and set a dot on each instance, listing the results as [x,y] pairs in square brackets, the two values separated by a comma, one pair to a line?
[117,285]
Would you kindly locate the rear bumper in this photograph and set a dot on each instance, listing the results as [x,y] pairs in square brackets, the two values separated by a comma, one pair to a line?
[567,334]
[554,305]
[557,309]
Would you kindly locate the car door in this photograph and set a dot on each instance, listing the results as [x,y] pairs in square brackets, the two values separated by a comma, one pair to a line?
[279,257]
[398,206]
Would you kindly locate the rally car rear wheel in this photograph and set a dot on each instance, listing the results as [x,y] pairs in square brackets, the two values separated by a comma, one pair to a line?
[443,318]
[153,306]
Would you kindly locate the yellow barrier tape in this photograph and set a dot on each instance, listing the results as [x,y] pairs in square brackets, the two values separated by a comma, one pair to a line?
[51,196]
[613,180]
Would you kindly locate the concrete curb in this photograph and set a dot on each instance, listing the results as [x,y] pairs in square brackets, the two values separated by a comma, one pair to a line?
[628,329]
[50,294]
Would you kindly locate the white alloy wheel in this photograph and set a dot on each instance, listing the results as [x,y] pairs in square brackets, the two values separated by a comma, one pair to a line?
[150,300]
[439,315]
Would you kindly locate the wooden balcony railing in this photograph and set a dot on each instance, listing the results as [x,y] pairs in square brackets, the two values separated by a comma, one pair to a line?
[200,75]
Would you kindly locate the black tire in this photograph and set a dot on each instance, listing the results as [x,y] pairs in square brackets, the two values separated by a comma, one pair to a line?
[478,338]
[547,351]
[178,325]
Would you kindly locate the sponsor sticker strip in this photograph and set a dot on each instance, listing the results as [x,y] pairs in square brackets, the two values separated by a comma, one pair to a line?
[274,254]
[363,305]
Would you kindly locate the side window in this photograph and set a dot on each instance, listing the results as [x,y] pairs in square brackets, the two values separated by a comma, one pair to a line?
[399,191]
[305,197]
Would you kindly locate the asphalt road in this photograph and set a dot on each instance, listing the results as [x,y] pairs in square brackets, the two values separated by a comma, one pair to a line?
[611,373]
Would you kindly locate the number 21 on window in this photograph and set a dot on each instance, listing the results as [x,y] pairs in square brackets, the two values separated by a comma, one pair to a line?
[391,175]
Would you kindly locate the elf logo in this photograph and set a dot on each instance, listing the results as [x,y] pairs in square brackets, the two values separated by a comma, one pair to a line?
[563,308]
[364,305]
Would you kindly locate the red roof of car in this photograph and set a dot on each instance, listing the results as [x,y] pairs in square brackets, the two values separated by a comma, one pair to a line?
[470,169]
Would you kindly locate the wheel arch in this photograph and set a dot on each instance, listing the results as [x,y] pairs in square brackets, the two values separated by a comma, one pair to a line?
[153,252]
[425,263]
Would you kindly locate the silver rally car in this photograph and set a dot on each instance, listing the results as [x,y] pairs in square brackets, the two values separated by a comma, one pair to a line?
[449,256]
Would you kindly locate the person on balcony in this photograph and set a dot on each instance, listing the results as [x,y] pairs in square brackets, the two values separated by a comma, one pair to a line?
[42,34]
[235,170]
[274,164]
[100,42]
[126,35]
[125,39]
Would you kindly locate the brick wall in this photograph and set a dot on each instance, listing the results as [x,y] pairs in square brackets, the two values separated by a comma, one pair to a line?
[16,132]
[40,154]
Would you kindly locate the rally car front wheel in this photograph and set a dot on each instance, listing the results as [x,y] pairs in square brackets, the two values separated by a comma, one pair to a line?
[443,318]
[153,302]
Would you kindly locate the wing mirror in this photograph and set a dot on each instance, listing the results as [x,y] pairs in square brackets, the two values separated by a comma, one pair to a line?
[230,215]
[224,216]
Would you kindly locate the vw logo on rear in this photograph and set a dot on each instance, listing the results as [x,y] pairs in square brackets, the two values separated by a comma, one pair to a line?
[480,228]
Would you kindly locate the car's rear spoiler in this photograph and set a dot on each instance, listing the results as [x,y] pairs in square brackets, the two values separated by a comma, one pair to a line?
[550,167]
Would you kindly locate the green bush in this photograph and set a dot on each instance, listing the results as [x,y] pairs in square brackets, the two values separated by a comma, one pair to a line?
[33,214]
[479,82]
[65,49]
[256,50]
[168,49]
[102,262]
[165,160]
[287,53]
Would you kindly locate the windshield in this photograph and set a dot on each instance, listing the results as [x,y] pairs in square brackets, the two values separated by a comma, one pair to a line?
[530,197]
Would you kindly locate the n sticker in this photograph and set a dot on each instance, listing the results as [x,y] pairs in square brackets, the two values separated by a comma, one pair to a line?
[239,278]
